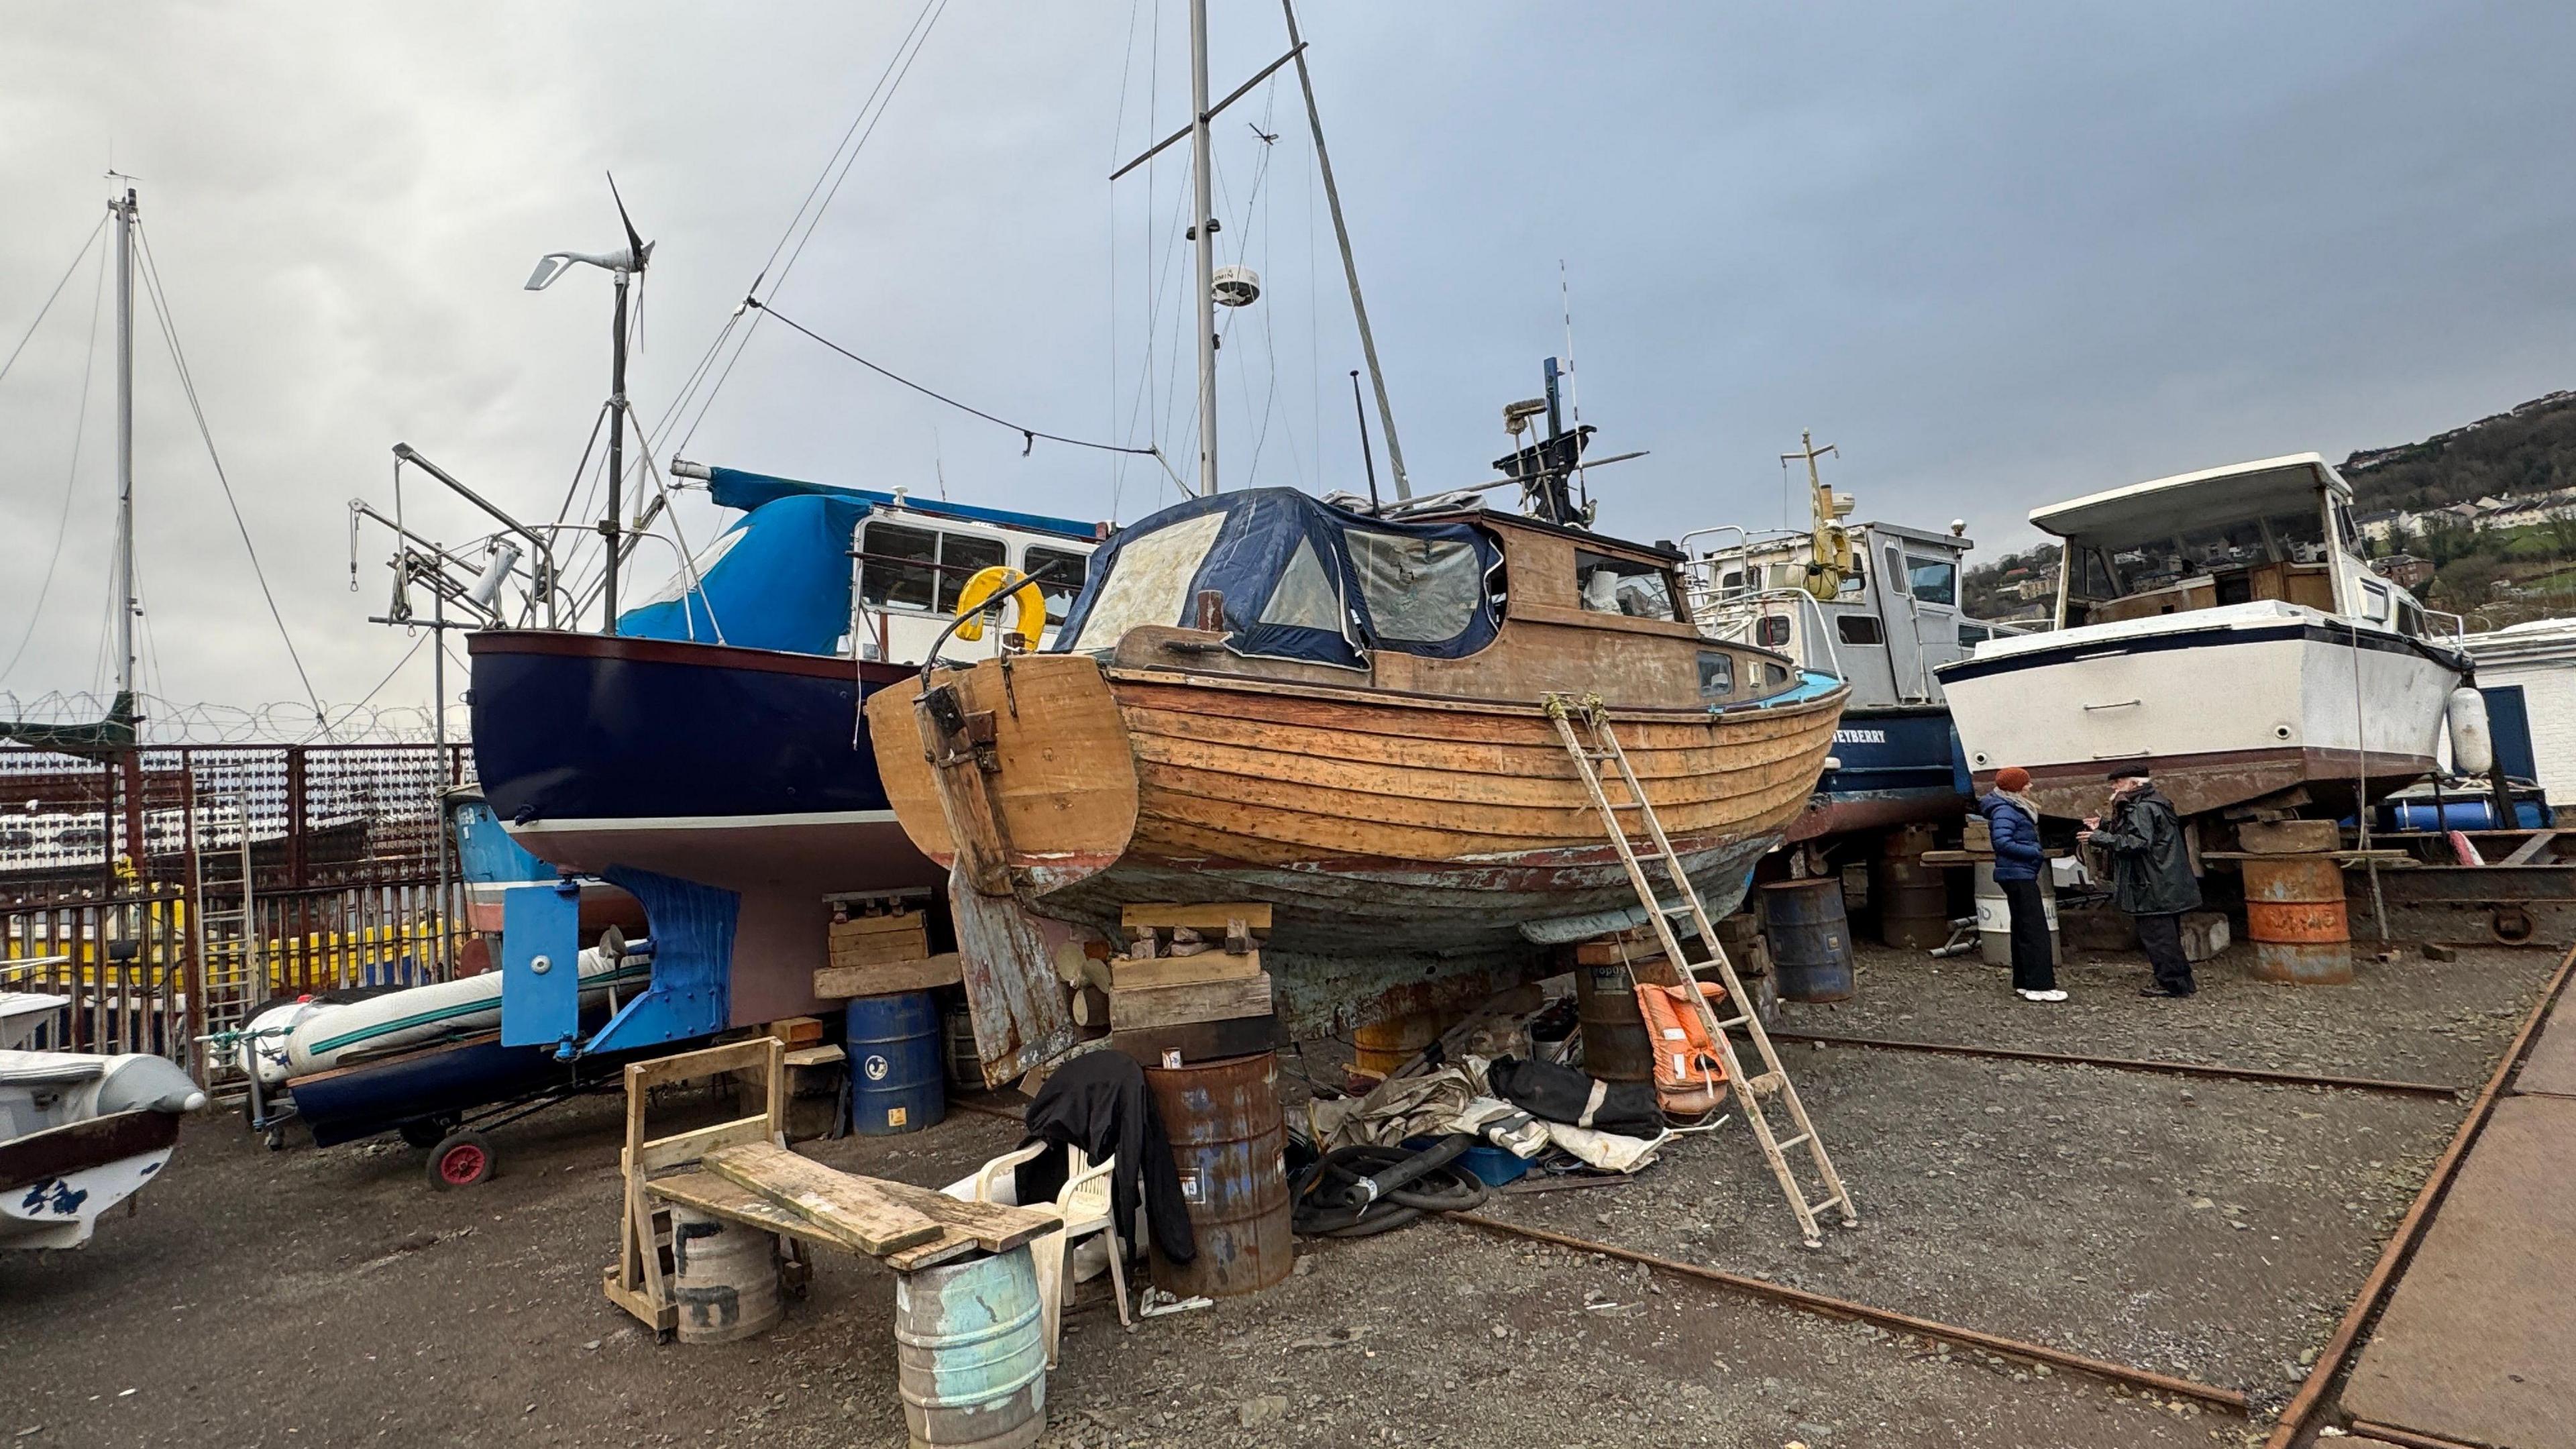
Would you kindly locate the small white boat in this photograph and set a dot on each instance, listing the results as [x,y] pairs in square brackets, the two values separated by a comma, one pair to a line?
[80,1134]
[2220,631]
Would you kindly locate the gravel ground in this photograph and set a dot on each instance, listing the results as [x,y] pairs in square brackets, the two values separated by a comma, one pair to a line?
[2211,1230]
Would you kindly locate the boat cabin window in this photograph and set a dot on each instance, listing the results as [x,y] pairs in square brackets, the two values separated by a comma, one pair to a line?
[1774,676]
[1716,675]
[2410,617]
[903,567]
[1971,635]
[1858,629]
[2374,602]
[1624,586]
[1732,581]
[2281,555]
[1060,587]
[1418,589]
[1932,580]
[1772,632]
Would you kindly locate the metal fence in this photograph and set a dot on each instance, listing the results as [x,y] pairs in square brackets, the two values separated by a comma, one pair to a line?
[264,872]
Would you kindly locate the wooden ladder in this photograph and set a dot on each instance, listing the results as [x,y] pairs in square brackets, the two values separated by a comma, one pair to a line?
[1583,724]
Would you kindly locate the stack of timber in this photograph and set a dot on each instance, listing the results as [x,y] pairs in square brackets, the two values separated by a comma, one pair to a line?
[882,951]
[1190,988]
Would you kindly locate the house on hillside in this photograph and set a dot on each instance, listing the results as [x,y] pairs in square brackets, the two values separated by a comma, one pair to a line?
[2405,570]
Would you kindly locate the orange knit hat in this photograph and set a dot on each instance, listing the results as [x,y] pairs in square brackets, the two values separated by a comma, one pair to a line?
[2012,777]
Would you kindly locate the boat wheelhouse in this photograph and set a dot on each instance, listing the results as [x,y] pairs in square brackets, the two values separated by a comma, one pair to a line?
[2220,631]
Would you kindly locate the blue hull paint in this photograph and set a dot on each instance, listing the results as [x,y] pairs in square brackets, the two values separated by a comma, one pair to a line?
[589,727]
[1894,767]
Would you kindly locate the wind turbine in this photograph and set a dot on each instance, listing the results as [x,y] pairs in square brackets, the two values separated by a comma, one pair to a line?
[623,265]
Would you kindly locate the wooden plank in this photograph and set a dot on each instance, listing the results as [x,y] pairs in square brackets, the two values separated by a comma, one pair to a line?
[686,1147]
[887,978]
[1255,914]
[2523,853]
[1207,966]
[877,950]
[873,925]
[2289,837]
[704,1062]
[995,1227]
[796,1031]
[1144,1007]
[815,1056]
[845,1206]
[1205,1041]
[661,1318]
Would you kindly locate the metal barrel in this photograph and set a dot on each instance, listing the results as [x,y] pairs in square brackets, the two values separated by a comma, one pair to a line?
[1616,1044]
[724,1278]
[1811,945]
[896,1083]
[965,1069]
[2294,914]
[1913,899]
[1229,1143]
[1994,918]
[970,1352]
[1382,1046]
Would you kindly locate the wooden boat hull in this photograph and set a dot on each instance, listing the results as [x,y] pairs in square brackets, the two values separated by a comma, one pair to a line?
[1373,821]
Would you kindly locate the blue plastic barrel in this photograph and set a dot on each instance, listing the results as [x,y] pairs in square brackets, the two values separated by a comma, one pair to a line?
[1811,945]
[895,1080]
[2475,813]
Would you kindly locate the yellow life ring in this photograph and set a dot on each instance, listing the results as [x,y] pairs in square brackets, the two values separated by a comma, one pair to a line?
[1028,604]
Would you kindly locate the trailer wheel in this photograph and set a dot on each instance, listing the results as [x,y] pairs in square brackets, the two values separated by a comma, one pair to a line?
[461,1159]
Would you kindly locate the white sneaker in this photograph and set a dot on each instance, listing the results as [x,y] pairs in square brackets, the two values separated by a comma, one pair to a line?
[2049,995]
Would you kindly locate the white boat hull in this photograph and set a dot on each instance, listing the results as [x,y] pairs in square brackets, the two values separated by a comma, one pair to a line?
[2221,706]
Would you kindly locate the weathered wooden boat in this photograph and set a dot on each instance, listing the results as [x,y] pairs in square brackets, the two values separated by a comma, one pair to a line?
[1263,697]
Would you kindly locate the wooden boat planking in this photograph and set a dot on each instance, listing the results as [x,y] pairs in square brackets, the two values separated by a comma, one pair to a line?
[1372,818]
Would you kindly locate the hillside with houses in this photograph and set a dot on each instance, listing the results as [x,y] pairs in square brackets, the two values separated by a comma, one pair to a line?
[2479,520]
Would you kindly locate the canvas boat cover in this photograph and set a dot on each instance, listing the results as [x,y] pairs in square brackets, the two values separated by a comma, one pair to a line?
[1302,580]
[779,578]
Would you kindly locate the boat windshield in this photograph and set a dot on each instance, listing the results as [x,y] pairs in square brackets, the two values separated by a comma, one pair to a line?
[2201,564]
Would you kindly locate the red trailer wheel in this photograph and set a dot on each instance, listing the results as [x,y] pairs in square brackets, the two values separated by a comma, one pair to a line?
[461,1159]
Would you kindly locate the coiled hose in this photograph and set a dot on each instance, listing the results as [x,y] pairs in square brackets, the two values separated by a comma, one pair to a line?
[1352,1192]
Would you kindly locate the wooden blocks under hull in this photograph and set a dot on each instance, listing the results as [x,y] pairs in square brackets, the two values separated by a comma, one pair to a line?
[1191,987]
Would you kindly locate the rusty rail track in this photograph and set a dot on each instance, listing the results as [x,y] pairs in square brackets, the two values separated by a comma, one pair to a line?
[2128,1064]
[2333,1359]
[2230,1400]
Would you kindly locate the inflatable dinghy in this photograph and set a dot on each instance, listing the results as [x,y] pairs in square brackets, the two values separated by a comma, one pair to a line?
[315,1034]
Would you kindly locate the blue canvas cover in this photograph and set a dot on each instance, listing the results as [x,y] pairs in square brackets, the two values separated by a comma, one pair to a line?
[779,578]
[1302,580]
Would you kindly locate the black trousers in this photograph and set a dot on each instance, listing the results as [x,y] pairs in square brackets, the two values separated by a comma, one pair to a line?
[2162,938]
[2032,968]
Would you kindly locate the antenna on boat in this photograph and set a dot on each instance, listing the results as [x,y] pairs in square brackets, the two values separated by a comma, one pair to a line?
[1829,557]
[624,265]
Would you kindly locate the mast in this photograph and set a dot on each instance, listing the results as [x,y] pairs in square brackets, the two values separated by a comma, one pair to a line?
[610,526]
[1203,229]
[1350,268]
[127,607]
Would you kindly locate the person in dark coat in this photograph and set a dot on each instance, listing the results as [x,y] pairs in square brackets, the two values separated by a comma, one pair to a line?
[2013,822]
[1099,1103]
[2151,875]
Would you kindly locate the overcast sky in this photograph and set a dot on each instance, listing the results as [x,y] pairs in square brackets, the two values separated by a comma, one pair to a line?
[2000,255]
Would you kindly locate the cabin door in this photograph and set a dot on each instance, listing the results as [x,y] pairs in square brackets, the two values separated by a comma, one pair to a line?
[1904,632]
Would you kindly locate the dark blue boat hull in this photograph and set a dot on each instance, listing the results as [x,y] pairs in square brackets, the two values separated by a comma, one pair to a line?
[743,770]
[1893,766]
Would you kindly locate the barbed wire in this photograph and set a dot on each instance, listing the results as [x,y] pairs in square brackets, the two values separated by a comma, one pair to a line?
[287,722]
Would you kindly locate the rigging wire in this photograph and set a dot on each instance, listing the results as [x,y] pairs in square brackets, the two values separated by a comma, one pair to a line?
[30,333]
[71,475]
[1028,435]
[188,387]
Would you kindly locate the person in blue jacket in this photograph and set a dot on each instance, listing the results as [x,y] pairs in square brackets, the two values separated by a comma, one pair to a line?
[2013,821]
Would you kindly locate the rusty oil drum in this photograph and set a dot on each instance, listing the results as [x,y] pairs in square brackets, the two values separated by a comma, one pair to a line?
[1811,945]
[1912,899]
[2294,914]
[1229,1143]
[1616,1047]
[1382,1046]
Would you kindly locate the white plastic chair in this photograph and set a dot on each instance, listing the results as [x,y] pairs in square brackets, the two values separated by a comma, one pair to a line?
[1085,1206]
